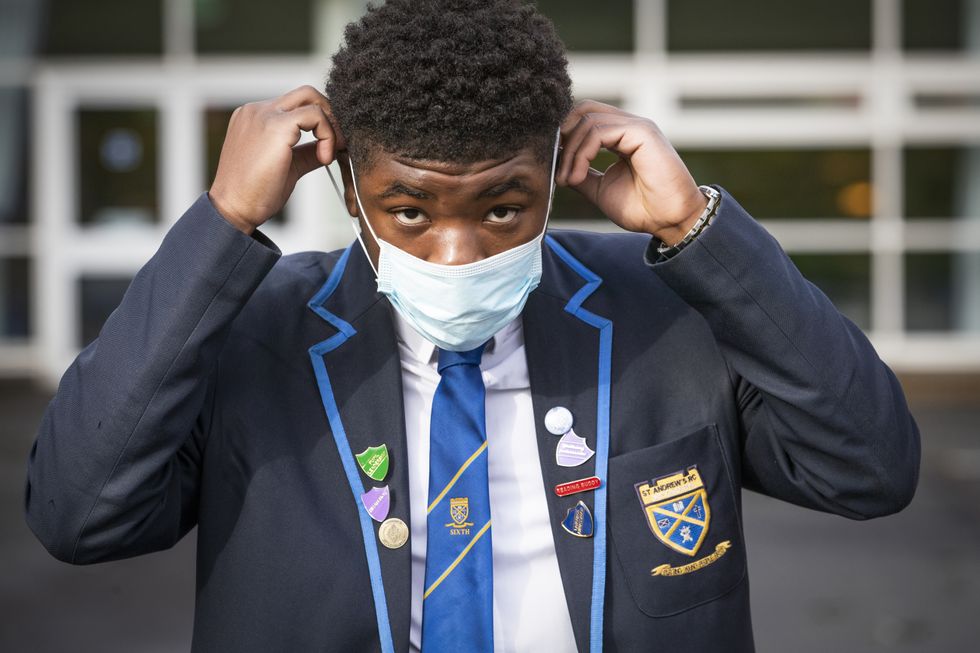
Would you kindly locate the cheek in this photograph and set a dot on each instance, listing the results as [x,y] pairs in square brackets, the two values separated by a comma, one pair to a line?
[500,240]
[369,242]
[533,222]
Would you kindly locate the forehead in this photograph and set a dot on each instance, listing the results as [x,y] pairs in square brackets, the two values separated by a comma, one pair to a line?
[386,167]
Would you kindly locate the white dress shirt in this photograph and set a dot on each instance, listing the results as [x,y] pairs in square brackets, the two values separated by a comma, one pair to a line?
[529,608]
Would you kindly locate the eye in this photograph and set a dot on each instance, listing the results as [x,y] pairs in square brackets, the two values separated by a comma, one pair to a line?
[409,217]
[502,214]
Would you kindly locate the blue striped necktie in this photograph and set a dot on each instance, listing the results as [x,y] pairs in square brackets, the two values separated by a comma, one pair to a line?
[457,608]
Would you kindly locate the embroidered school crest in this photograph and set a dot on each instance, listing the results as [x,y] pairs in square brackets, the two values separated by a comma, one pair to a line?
[676,508]
[459,510]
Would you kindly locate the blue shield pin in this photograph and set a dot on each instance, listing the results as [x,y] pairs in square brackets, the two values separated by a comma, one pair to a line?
[578,521]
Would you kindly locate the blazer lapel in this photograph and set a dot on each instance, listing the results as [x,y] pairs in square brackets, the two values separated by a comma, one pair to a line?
[359,375]
[563,372]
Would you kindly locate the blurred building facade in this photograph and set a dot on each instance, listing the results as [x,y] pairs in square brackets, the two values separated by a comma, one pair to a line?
[849,128]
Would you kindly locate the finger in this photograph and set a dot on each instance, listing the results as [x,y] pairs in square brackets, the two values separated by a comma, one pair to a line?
[306,96]
[334,125]
[311,118]
[305,159]
[584,107]
[590,186]
[571,142]
[589,122]
[300,96]
[585,152]
[593,132]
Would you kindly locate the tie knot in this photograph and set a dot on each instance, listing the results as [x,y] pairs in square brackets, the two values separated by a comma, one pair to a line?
[449,358]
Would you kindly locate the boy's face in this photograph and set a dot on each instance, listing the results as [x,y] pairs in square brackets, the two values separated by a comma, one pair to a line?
[451,213]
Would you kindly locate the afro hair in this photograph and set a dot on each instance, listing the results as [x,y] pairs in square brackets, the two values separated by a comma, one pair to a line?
[459,81]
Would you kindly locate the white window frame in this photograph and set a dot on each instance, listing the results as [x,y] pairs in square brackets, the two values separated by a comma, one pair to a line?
[648,81]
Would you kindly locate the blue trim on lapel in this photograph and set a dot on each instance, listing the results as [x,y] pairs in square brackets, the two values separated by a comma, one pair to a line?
[345,331]
[605,327]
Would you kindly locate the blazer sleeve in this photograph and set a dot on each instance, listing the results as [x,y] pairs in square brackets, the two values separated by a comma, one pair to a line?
[115,469]
[824,422]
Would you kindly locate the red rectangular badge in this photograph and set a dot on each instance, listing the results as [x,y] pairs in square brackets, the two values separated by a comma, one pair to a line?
[581,485]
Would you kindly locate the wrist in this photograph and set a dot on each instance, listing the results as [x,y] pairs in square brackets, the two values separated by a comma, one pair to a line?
[674,233]
[670,248]
[229,216]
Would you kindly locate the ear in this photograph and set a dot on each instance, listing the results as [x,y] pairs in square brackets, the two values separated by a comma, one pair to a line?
[343,160]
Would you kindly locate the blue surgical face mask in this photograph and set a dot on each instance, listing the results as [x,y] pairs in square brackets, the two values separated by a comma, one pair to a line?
[457,307]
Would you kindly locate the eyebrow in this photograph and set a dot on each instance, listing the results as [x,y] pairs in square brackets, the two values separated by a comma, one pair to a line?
[512,184]
[398,188]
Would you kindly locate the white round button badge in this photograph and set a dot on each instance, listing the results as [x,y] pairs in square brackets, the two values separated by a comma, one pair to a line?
[558,420]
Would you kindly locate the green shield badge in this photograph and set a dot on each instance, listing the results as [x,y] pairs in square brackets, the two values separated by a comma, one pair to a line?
[374,462]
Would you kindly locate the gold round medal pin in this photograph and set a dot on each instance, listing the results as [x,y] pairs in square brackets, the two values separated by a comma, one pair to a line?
[393,533]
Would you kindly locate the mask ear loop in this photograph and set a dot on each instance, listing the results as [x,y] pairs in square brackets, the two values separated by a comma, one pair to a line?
[554,162]
[353,221]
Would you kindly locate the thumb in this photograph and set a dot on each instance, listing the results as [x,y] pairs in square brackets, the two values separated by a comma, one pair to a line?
[305,159]
[589,187]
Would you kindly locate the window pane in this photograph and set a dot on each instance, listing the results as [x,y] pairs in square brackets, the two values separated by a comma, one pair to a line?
[20,27]
[117,165]
[589,26]
[936,24]
[215,126]
[788,101]
[98,297]
[106,27]
[713,25]
[246,26]
[945,100]
[844,278]
[14,155]
[940,182]
[942,291]
[14,299]
[789,183]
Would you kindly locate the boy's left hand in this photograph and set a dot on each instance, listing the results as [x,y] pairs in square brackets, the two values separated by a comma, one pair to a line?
[649,190]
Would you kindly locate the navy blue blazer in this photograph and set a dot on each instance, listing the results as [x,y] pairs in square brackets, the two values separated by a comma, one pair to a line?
[230,387]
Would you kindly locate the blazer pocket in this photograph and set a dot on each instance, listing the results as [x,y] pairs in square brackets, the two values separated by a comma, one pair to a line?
[674,523]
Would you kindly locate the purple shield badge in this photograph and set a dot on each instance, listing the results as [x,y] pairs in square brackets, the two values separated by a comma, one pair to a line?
[376,501]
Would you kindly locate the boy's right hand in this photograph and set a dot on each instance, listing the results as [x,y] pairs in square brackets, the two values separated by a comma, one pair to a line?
[260,160]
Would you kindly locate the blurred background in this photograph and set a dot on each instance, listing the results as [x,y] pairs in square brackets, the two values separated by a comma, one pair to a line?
[849,128]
